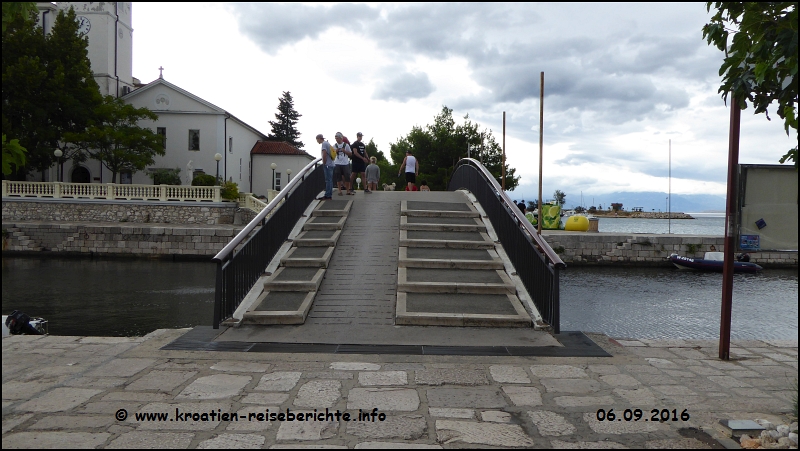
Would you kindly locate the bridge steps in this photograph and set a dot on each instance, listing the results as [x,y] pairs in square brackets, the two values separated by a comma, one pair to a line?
[449,271]
[289,292]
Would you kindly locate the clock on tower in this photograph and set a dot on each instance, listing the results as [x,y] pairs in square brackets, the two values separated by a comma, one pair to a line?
[84,25]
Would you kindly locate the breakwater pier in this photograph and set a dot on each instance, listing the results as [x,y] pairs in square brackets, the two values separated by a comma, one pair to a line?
[583,248]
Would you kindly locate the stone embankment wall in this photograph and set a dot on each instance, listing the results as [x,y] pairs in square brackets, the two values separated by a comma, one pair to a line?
[645,215]
[170,241]
[582,248]
[118,211]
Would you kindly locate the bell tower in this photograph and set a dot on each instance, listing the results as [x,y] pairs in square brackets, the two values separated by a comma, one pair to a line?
[108,26]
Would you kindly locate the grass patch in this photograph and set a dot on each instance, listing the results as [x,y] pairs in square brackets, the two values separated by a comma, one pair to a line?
[693,248]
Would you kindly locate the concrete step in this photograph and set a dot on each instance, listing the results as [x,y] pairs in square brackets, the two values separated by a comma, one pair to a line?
[461,310]
[426,257]
[441,224]
[438,209]
[308,257]
[450,280]
[325,223]
[325,238]
[333,208]
[280,307]
[295,279]
[455,240]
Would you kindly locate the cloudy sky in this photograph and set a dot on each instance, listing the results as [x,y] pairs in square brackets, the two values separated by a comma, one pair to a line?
[621,80]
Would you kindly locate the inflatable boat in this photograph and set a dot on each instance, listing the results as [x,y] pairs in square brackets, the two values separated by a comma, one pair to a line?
[713,261]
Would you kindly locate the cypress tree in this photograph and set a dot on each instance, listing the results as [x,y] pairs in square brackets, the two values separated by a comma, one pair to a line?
[283,128]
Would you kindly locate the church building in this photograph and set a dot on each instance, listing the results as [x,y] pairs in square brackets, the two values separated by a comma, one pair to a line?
[194,130]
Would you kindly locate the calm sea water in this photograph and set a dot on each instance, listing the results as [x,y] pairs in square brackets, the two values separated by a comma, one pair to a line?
[134,297]
[669,303]
[703,224]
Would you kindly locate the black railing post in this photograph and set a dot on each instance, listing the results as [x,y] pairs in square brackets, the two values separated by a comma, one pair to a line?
[218,296]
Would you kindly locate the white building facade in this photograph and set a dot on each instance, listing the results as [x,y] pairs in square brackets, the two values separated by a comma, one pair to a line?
[194,130]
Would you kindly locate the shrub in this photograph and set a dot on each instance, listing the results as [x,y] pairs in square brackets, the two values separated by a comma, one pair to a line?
[204,180]
[165,176]
[230,191]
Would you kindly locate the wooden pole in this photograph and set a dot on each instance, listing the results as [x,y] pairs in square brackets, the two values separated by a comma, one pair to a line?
[503,170]
[541,141]
[730,207]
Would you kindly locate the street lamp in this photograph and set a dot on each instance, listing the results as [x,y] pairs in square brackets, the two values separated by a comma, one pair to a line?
[217,157]
[273,166]
[288,176]
[60,176]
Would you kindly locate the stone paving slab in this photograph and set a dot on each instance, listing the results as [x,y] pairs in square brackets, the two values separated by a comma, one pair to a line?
[428,401]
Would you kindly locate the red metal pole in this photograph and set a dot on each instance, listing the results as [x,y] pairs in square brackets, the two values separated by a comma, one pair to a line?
[730,210]
[503,170]
[541,151]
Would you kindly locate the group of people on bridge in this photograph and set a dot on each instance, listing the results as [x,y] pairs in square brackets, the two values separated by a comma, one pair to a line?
[336,165]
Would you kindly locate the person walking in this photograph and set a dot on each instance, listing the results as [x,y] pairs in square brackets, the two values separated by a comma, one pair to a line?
[373,175]
[341,169]
[360,160]
[327,166]
[411,166]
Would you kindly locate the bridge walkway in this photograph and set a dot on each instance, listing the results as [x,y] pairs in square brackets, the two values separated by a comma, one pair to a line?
[356,300]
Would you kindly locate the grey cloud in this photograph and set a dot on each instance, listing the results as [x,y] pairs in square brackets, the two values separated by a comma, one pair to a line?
[274,25]
[613,71]
[404,87]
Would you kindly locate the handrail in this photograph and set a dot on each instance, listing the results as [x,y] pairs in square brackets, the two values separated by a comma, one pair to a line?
[227,251]
[551,255]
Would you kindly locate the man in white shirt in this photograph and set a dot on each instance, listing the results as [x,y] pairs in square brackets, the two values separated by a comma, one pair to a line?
[411,166]
[341,170]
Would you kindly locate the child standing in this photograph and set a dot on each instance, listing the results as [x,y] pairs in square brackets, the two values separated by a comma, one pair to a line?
[373,174]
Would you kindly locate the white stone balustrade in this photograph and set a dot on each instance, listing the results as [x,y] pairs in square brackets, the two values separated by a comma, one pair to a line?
[111,191]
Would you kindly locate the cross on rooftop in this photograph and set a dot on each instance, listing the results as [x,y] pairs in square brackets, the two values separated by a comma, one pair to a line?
[160,72]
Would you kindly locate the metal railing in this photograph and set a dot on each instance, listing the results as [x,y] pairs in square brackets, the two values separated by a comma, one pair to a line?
[243,260]
[535,261]
[111,191]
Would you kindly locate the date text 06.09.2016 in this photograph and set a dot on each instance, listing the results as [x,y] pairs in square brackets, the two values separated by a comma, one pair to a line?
[638,415]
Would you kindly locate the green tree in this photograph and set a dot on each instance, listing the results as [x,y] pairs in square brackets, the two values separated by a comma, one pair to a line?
[48,87]
[284,128]
[13,156]
[760,62]
[14,10]
[560,197]
[440,145]
[116,140]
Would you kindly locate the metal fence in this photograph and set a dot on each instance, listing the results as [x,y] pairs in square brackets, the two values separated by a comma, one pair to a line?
[242,261]
[536,263]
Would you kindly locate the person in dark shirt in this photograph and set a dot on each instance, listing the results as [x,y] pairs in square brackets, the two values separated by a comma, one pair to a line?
[521,206]
[360,161]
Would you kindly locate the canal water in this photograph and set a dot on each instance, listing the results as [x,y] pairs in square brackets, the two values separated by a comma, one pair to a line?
[131,297]
[109,297]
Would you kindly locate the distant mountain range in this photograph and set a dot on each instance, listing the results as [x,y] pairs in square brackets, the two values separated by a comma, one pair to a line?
[649,201]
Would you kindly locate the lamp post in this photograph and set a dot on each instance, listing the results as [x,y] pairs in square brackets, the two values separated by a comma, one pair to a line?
[217,157]
[273,166]
[58,153]
[288,176]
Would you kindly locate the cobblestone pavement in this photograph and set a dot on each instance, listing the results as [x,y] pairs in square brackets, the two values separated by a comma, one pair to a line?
[86,392]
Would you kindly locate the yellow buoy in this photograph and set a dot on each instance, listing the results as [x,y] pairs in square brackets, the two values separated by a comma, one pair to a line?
[577,223]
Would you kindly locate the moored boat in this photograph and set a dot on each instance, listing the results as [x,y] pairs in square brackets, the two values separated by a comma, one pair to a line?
[713,261]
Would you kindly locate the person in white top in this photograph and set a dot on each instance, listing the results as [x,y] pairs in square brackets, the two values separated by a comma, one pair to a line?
[411,165]
[341,170]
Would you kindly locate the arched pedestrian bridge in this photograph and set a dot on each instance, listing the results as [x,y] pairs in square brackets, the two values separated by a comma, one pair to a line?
[456,268]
